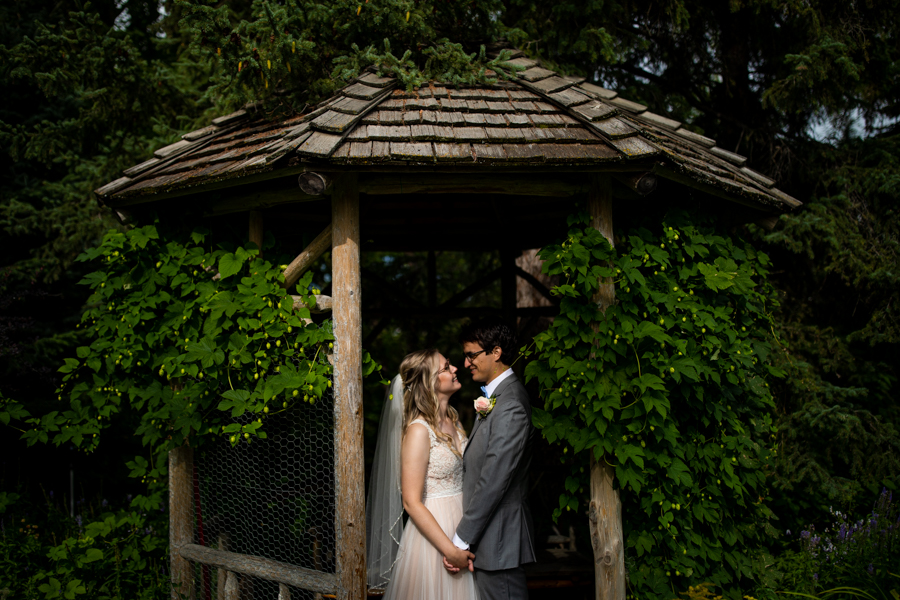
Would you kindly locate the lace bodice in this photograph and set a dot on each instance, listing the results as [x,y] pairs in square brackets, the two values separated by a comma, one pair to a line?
[445,470]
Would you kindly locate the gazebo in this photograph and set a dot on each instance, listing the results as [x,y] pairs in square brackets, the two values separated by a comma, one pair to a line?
[491,167]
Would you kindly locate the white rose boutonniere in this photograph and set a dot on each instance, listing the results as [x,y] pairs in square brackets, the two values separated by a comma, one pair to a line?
[484,406]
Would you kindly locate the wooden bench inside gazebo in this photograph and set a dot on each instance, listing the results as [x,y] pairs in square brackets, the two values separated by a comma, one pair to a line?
[496,167]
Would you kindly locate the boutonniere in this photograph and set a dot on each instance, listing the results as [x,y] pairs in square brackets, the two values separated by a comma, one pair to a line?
[484,406]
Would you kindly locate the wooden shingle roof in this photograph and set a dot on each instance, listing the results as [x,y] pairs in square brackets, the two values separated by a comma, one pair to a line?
[541,120]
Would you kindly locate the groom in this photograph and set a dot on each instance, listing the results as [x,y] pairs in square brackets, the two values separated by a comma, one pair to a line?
[496,523]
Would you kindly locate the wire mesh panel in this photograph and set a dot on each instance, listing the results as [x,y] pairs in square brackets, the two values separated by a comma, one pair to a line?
[271,498]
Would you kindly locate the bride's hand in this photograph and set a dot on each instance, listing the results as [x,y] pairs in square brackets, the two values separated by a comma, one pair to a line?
[459,559]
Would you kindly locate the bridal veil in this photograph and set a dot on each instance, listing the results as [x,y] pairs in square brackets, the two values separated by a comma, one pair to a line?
[384,504]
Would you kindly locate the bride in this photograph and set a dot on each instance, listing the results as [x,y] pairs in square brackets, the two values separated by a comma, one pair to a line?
[418,460]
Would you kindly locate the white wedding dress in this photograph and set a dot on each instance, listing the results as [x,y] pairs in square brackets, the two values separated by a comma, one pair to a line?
[418,573]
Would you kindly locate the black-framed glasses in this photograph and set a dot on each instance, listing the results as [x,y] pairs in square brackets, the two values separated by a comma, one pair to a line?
[473,355]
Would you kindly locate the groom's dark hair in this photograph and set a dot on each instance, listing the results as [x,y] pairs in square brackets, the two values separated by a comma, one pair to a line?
[490,333]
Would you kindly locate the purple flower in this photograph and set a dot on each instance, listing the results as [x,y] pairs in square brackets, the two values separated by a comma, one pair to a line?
[78,520]
[788,532]
[870,568]
[804,535]
[816,576]
[104,504]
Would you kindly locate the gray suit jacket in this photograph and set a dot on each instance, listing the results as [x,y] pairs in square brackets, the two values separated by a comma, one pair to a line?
[496,522]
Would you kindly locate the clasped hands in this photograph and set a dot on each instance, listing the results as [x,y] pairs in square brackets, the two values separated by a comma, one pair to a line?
[459,559]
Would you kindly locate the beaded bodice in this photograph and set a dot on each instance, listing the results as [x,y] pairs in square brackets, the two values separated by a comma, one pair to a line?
[445,469]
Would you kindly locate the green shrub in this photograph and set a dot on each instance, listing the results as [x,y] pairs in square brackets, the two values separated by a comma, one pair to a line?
[104,552]
[669,387]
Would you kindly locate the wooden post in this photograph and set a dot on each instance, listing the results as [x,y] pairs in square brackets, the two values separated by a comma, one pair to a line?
[181,519]
[256,229]
[508,289]
[232,587]
[222,574]
[605,510]
[432,278]
[350,508]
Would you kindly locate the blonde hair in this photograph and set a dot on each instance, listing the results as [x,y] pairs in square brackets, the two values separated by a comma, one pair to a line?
[419,374]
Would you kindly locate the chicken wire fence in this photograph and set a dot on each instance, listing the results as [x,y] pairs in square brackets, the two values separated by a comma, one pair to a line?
[273,498]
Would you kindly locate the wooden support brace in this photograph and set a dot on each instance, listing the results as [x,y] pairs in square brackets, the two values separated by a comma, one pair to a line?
[605,510]
[324,304]
[181,519]
[256,229]
[536,284]
[306,258]
[350,509]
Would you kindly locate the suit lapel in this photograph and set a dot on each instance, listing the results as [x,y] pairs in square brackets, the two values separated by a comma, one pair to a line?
[500,389]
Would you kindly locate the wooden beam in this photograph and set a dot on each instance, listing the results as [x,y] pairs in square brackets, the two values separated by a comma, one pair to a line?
[432,278]
[478,285]
[263,568]
[540,287]
[486,183]
[508,285]
[242,199]
[762,203]
[306,258]
[181,519]
[441,312]
[256,229]
[208,186]
[324,304]
[350,493]
[605,511]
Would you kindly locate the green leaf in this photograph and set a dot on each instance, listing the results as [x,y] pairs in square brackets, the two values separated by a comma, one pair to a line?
[92,554]
[229,265]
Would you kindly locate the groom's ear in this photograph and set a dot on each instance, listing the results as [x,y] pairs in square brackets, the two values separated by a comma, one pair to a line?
[497,354]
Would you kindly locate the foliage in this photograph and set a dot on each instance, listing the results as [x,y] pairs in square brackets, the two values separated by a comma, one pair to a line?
[299,53]
[182,346]
[805,90]
[45,553]
[839,424]
[87,89]
[859,553]
[668,386]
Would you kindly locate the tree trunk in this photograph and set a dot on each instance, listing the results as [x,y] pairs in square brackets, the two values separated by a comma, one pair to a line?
[605,508]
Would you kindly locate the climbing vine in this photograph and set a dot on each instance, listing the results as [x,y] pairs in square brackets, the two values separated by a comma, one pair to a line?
[185,340]
[668,386]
